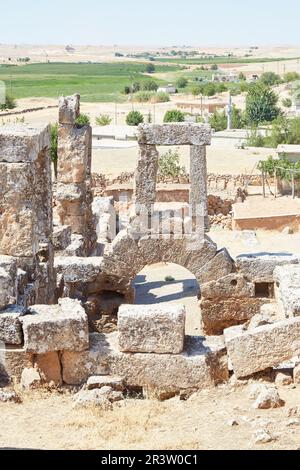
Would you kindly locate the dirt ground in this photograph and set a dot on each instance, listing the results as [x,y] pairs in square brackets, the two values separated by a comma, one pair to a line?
[48,421]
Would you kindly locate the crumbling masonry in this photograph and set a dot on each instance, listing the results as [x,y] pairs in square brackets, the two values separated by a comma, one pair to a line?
[67,312]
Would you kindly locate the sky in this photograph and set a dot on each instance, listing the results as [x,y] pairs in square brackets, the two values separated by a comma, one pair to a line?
[150,22]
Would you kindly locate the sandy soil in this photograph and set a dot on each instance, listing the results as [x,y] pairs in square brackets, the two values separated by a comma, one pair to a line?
[48,421]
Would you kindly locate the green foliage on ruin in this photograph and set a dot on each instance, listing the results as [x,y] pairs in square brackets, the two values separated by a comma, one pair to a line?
[83,120]
[169,165]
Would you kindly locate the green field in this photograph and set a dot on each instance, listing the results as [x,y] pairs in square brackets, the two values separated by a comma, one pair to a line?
[95,82]
[223,60]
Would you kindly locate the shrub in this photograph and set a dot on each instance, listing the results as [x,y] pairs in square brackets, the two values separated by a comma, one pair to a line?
[10,103]
[134,118]
[174,115]
[196,90]
[53,146]
[287,102]
[291,77]
[169,165]
[83,120]
[160,97]
[127,90]
[181,82]
[150,68]
[242,77]
[143,96]
[103,120]
[149,85]
[270,78]
[214,67]
[255,138]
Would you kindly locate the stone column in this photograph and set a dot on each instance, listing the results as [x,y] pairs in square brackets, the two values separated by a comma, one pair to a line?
[145,177]
[26,206]
[74,196]
[198,190]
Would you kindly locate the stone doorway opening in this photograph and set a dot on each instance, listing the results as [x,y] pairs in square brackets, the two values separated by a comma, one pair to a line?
[170,283]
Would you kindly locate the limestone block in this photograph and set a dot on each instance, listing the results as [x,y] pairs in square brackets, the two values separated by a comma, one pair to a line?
[56,327]
[10,325]
[233,285]
[76,247]
[151,328]
[8,281]
[77,367]
[266,346]
[288,292]
[13,360]
[99,381]
[69,109]
[174,134]
[145,177]
[75,269]
[102,205]
[31,379]
[221,265]
[203,364]
[61,237]
[49,367]
[260,267]
[21,144]
[74,145]
[221,314]
[70,193]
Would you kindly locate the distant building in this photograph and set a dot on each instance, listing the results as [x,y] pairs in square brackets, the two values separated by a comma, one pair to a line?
[289,152]
[200,107]
[170,89]
[230,78]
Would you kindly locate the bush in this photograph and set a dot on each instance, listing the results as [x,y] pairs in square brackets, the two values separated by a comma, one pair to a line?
[127,90]
[143,96]
[214,67]
[255,139]
[174,115]
[261,104]
[134,118]
[291,77]
[242,77]
[150,68]
[83,120]
[181,82]
[270,79]
[103,120]
[149,85]
[160,97]
[10,103]
[282,167]
[218,121]
[287,102]
[53,146]
[196,90]
[169,165]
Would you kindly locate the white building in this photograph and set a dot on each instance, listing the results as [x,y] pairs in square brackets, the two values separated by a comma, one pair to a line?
[170,89]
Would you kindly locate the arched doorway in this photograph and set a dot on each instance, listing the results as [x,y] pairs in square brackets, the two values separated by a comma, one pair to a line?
[170,283]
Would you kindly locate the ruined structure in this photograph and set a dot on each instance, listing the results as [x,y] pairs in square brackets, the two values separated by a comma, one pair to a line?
[51,306]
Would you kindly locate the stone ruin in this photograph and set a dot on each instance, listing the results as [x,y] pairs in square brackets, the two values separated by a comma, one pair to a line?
[67,262]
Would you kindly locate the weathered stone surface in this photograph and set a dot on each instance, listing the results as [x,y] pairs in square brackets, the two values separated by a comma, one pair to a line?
[283,377]
[76,247]
[219,266]
[203,364]
[75,269]
[61,237]
[21,144]
[266,346]
[99,381]
[151,328]
[49,367]
[268,398]
[100,398]
[10,325]
[233,285]
[55,328]
[8,281]
[198,191]
[288,292]
[260,267]
[105,218]
[145,177]
[31,379]
[69,109]
[12,362]
[262,436]
[78,367]
[218,314]
[174,134]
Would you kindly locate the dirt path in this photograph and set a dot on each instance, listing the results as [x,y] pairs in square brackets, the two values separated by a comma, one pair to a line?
[47,421]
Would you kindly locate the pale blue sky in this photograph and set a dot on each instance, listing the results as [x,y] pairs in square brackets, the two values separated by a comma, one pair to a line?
[151,22]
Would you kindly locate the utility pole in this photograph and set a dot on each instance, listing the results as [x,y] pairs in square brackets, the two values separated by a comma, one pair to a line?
[229,113]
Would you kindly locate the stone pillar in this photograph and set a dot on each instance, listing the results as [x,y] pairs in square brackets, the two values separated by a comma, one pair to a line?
[145,177]
[26,206]
[74,196]
[198,190]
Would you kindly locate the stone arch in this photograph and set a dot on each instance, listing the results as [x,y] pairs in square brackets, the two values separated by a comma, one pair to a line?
[126,256]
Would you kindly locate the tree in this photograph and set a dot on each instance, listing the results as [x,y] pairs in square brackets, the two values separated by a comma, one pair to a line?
[134,118]
[169,165]
[174,115]
[261,104]
[150,68]
[149,85]
[270,78]
[53,147]
[218,120]
[83,120]
[291,77]
[242,77]
[181,82]
[127,90]
[196,90]
[103,120]
[214,67]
